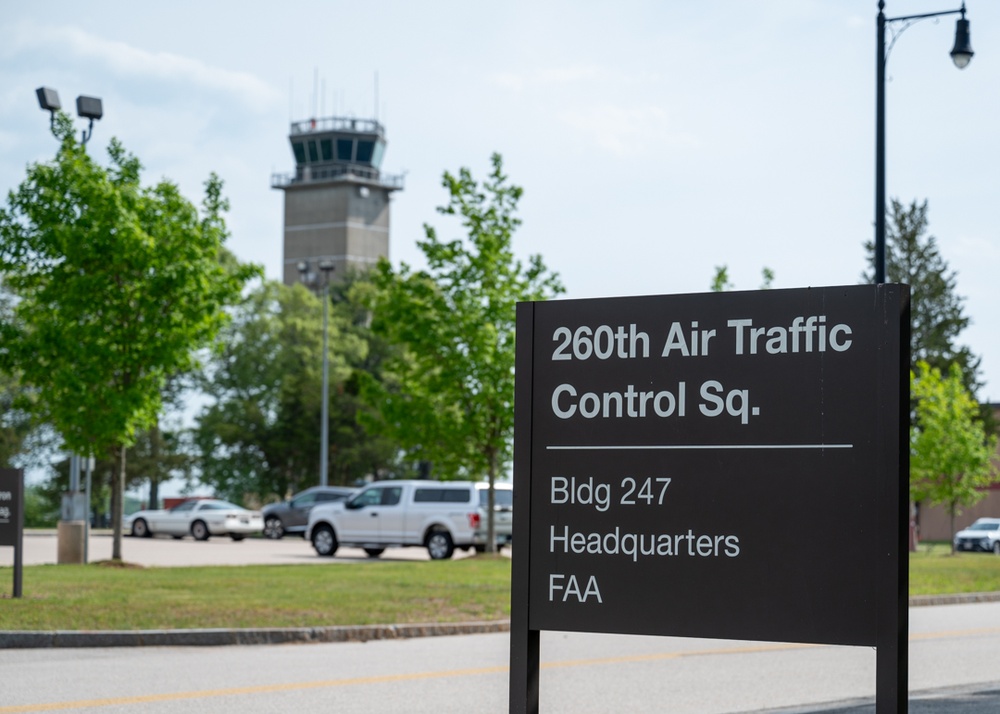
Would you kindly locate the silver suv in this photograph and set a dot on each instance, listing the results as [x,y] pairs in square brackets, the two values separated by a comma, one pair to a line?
[983,535]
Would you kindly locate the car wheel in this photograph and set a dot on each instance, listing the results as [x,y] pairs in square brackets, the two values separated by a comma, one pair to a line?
[199,530]
[273,528]
[374,552]
[324,540]
[237,536]
[996,547]
[439,545]
[140,529]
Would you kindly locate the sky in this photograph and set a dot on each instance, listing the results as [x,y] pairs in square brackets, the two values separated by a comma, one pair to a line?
[654,140]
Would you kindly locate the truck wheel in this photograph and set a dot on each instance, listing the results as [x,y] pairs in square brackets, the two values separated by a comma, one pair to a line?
[440,545]
[324,540]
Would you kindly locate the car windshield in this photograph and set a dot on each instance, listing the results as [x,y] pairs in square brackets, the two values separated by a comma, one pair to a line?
[984,526]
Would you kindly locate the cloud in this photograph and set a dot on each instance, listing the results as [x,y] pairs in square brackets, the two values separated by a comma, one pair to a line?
[126,61]
[546,78]
[625,131]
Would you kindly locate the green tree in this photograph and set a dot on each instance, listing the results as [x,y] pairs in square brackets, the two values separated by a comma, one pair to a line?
[721,282]
[16,425]
[117,286]
[260,434]
[937,315]
[950,460]
[452,403]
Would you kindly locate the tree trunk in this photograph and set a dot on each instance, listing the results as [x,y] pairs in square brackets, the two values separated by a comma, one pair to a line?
[951,513]
[117,503]
[154,475]
[491,524]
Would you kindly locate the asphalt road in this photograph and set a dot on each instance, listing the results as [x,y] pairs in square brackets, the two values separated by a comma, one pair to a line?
[953,654]
[953,663]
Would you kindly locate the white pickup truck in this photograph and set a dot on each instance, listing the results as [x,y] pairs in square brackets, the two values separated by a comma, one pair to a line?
[437,515]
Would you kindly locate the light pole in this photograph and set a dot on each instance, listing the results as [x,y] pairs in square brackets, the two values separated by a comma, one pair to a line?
[324,429]
[326,266]
[74,523]
[961,55]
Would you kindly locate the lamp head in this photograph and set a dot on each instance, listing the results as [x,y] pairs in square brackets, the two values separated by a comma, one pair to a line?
[961,53]
[48,99]
[89,107]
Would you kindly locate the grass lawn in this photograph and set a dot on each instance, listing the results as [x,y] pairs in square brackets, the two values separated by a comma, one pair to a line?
[98,597]
[934,571]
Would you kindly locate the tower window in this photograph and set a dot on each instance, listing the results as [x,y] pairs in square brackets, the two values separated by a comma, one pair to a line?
[326,148]
[345,149]
[299,149]
[365,149]
[313,153]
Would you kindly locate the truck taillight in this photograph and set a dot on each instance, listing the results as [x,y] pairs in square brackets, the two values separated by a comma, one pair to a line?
[474,520]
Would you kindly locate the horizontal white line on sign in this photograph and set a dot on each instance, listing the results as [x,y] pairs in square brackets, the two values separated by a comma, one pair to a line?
[612,447]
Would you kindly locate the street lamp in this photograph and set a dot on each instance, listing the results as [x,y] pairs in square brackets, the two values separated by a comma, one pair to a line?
[326,267]
[961,55]
[86,108]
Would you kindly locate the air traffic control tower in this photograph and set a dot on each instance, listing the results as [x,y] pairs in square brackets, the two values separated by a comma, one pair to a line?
[337,201]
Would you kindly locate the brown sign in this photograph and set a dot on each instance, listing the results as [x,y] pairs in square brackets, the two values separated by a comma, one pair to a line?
[720,465]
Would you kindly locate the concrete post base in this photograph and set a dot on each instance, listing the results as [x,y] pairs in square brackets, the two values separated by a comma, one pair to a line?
[70,536]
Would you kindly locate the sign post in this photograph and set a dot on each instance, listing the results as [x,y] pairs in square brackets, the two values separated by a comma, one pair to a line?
[12,519]
[727,465]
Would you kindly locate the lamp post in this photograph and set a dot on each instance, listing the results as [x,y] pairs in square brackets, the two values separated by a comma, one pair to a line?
[74,523]
[961,55]
[86,108]
[326,267]
[324,429]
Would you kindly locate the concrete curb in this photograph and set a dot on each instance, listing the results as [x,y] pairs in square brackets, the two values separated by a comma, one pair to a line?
[956,599]
[252,636]
[217,637]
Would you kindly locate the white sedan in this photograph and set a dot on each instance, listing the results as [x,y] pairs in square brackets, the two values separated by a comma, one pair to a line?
[200,518]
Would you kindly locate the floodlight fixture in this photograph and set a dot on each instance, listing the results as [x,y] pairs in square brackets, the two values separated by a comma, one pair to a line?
[86,108]
[48,99]
[89,108]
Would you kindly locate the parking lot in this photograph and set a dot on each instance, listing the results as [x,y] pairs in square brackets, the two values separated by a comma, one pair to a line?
[41,547]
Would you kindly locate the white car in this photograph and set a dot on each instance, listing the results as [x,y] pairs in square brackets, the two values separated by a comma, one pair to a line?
[983,535]
[199,518]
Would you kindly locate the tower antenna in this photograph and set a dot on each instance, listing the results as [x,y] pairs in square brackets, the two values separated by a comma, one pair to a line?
[315,85]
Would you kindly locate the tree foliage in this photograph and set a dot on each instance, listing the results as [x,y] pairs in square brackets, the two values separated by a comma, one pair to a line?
[452,403]
[261,433]
[117,285]
[937,315]
[950,460]
[721,282]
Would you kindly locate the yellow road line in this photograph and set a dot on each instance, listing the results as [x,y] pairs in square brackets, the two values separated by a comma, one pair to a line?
[389,678]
